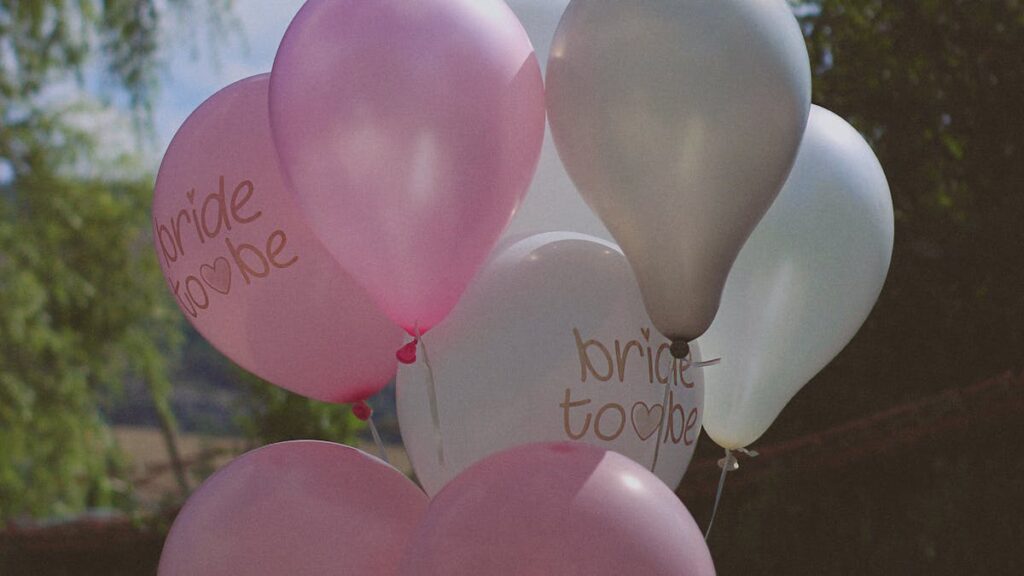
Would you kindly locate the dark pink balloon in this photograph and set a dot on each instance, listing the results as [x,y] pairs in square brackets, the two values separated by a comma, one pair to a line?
[309,508]
[410,131]
[569,509]
[246,270]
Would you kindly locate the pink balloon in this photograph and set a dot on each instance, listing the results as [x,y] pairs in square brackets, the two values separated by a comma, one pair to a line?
[302,507]
[246,270]
[568,509]
[410,132]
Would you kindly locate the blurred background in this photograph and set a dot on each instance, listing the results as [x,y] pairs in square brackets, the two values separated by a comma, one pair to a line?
[901,457]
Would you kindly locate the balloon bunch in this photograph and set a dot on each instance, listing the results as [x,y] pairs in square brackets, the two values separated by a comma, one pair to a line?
[306,217]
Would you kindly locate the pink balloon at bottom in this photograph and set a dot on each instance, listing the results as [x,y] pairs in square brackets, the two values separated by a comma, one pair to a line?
[567,509]
[302,507]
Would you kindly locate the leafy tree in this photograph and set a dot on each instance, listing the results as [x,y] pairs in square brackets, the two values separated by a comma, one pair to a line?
[270,414]
[82,306]
[935,86]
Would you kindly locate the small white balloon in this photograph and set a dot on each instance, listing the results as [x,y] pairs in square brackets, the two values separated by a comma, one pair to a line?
[551,343]
[803,284]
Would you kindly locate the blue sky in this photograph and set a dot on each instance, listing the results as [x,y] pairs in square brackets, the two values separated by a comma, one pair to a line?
[197,66]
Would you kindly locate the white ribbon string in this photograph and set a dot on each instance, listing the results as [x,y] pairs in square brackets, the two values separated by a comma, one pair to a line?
[707,363]
[432,395]
[727,464]
[377,439]
[665,411]
[661,427]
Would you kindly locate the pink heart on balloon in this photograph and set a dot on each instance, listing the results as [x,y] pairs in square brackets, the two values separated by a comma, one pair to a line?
[646,420]
[217,276]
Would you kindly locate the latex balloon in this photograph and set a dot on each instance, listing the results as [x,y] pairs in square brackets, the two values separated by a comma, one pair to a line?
[679,120]
[245,269]
[566,509]
[551,343]
[552,204]
[410,131]
[301,507]
[803,284]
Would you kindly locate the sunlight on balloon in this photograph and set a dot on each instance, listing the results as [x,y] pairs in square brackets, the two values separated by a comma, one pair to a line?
[422,176]
[632,482]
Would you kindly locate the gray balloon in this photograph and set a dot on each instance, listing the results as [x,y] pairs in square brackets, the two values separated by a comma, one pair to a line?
[679,121]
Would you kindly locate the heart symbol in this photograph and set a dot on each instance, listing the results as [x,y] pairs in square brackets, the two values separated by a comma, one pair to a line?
[217,276]
[191,195]
[646,421]
[647,333]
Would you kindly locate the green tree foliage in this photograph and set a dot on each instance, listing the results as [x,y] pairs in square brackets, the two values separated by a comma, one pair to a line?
[935,86]
[82,306]
[270,414]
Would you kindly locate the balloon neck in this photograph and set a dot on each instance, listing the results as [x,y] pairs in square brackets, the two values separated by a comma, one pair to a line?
[680,349]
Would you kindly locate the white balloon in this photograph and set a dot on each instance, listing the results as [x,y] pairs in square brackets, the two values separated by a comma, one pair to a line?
[803,284]
[552,203]
[551,343]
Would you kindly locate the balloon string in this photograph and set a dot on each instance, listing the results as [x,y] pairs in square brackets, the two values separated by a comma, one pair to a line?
[728,464]
[432,394]
[665,411]
[661,427]
[377,440]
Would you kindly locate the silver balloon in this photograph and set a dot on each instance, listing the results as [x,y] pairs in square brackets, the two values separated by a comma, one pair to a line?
[804,283]
[679,120]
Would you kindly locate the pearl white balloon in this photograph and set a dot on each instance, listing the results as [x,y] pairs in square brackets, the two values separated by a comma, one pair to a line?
[550,343]
[803,284]
[678,121]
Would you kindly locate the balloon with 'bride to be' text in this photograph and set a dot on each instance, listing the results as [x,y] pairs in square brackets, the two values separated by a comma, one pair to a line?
[245,269]
[551,343]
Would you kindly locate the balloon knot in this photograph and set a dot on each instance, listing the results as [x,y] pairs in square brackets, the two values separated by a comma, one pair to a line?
[407,354]
[730,463]
[708,363]
[680,349]
[362,410]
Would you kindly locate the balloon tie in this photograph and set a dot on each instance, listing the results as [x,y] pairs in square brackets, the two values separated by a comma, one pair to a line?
[707,363]
[432,394]
[727,464]
[661,427]
[363,411]
[407,354]
[665,409]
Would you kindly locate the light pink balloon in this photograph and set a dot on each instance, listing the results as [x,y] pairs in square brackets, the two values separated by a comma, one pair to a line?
[246,270]
[303,507]
[569,509]
[410,131]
